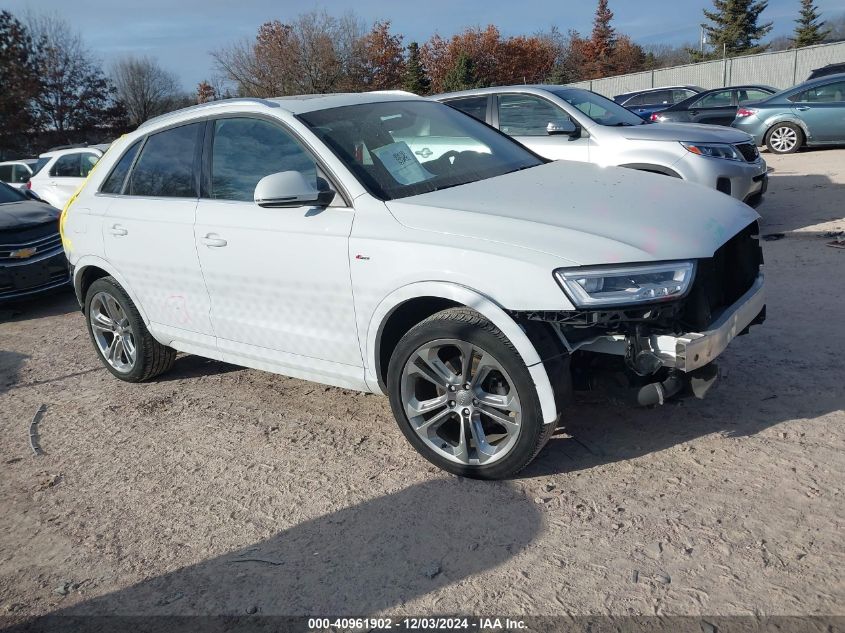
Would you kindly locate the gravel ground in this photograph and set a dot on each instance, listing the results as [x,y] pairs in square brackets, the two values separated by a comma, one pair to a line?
[217,489]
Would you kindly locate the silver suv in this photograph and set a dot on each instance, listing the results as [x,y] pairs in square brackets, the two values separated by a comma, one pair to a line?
[562,123]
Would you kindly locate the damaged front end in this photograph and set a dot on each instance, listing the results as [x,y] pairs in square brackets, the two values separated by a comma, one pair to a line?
[647,353]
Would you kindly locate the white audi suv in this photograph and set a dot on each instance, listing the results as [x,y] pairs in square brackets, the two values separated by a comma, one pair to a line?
[305,236]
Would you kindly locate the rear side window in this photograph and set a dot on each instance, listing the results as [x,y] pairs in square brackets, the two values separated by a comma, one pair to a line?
[473,106]
[21,173]
[245,150]
[74,165]
[746,96]
[66,166]
[166,165]
[114,182]
[6,173]
[721,99]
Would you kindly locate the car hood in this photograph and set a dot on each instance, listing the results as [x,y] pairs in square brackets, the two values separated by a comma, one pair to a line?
[583,213]
[690,132]
[19,215]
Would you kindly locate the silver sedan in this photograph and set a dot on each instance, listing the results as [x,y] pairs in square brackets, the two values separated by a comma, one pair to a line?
[563,123]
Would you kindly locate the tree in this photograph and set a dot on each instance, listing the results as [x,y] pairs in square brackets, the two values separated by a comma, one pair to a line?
[380,60]
[19,80]
[315,53]
[76,95]
[601,46]
[734,27]
[461,76]
[206,92]
[144,88]
[809,29]
[415,78]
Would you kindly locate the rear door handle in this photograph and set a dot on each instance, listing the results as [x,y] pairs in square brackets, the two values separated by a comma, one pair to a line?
[802,108]
[118,230]
[212,240]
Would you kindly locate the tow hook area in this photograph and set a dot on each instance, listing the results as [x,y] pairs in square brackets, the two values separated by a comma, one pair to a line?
[675,384]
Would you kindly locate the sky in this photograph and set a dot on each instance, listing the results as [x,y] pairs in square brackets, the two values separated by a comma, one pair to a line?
[182,33]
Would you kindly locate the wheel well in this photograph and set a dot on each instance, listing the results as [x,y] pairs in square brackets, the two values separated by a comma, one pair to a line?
[89,275]
[403,318]
[795,123]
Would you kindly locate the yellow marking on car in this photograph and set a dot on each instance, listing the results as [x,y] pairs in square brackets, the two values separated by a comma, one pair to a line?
[66,243]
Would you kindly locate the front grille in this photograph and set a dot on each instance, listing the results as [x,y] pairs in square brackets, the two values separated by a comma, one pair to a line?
[749,151]
[43,245]
[722,279]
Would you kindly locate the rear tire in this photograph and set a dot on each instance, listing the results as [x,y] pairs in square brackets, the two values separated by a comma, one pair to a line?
[784,138]
[121,339]
[493,429]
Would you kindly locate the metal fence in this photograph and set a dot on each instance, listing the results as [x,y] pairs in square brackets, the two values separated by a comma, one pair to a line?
[780,69]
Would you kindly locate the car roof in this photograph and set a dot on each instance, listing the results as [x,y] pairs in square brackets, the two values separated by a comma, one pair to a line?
[74,150]
[526,88]
[20,161]
[657,88]
[294,104]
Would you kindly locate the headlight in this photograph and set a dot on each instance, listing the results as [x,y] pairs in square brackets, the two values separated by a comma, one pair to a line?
[713,150]
[597,287]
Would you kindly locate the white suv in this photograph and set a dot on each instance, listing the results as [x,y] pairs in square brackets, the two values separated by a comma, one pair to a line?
[60,173]
[304,237]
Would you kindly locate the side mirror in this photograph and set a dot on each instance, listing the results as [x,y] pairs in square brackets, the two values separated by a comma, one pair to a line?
[567,126]
[288,189]
[29,193]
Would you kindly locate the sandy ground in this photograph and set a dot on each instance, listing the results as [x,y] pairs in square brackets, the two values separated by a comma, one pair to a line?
[224,490]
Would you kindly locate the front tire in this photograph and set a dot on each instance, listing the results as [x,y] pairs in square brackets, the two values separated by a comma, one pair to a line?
[784,138]
[464,398]
[121,339]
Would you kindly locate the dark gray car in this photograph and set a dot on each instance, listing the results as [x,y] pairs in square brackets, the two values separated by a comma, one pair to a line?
[714,107]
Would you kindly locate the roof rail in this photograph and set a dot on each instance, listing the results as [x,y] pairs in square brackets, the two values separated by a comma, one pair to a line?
[73,146]
[203,106]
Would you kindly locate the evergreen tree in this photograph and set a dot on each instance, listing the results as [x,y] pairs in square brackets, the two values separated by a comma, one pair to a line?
[415,80]
[461,76]
[809,28]
[19,80]
[735,27]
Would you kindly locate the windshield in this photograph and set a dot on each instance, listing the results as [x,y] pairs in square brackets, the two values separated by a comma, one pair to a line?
[10,194]
[600,109]
[404,148]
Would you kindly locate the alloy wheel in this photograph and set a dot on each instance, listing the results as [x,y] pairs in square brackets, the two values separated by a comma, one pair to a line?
[783,139]
[112,332]
[461,402]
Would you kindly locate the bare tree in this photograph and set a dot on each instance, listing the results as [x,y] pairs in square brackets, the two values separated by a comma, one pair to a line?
[144,88]
[76,94]
[315,53]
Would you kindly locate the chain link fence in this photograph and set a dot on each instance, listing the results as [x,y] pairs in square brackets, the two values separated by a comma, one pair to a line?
[780,69]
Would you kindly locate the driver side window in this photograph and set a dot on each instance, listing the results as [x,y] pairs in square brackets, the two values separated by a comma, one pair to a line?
[528,115]
[245,150]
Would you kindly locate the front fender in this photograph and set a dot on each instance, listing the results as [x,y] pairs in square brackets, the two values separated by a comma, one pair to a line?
[478,302]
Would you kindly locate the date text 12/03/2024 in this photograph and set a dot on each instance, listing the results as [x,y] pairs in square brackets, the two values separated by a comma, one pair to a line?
[417,624]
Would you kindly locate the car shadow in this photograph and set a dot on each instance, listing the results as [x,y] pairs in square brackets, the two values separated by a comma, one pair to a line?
[10,366]
[55,303]
[362,559]
[788,207]
[190,366]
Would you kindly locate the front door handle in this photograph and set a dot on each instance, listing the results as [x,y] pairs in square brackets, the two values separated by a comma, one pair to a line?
[212,240]
[117,230]
[802,108]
